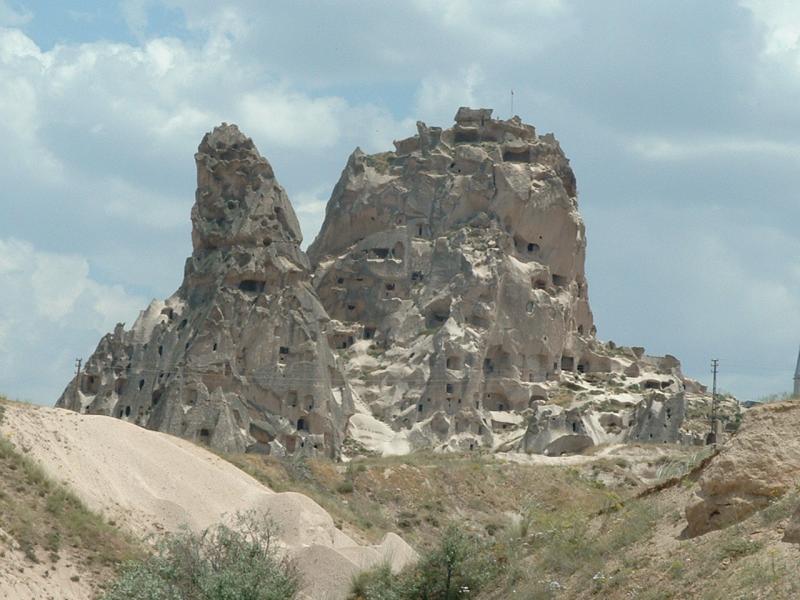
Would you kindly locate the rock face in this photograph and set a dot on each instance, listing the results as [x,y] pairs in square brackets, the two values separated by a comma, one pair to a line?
[448,308]
[453,268]
[758,465]
[237,358]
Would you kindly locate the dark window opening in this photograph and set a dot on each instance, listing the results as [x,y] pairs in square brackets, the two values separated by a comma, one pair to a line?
[523,156]
[567,363]
[183,324]
[533,247]
[466,136]
[156,397]
[205,435]
[141,383]
[416,276]
[453,362]
[351,307]
[559,280]
[214,347]
[449,388]
[419,407]
[252,286]
[369,333]
[160,350]
[284,350]
[127,411]
[340,280]
[390,286]
[302,425]
[581,368]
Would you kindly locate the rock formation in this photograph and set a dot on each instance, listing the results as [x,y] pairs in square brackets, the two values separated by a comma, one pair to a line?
[757,466]
[453,268]
[237,357]
[449,308]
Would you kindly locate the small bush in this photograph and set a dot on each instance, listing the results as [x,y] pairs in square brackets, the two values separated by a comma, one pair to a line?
[345,487]
[458,567]
[375,584]
[222,563]
[738,547]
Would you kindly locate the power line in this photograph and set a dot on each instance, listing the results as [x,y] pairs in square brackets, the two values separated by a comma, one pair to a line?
[712,436]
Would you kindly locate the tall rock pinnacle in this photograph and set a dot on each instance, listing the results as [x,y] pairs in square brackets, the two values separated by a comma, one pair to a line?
[237,358]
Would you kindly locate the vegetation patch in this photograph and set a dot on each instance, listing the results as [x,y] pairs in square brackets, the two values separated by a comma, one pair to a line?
[222,563]
[47,522]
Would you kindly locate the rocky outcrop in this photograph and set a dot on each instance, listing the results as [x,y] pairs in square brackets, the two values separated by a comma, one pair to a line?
[238,357]
[453,268]
[448,308]
[758,465]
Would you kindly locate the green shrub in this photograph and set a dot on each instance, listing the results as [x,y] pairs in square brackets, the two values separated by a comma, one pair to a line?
[458,567]
[222,563]
[738,547]
[345,487]
[376,584]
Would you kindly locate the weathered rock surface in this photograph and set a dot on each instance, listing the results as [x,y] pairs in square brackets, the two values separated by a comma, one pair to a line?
[791,533]
[759,464]
[453,268]
[448,308]
[237,358]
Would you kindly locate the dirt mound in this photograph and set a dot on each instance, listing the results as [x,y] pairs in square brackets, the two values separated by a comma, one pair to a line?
[149,482]
[759,464]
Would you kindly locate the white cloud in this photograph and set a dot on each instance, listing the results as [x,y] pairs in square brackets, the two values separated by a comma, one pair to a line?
[440,96]
[51,308]
[9,15]
[780,20]
[686,148]
[289,118]
[311,201]
[119,199]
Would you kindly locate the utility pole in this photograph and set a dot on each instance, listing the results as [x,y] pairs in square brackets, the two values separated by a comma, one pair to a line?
[712,437]
[78,364]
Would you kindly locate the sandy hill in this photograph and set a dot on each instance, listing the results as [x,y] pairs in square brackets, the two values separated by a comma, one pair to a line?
[150,482]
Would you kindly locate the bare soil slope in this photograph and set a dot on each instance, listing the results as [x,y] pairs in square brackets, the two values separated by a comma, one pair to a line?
[150,482]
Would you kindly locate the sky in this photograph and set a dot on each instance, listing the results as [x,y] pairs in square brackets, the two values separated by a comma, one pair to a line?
[680,119]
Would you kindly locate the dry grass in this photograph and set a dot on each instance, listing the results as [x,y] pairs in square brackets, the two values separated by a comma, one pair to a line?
[556,532]
[44,519]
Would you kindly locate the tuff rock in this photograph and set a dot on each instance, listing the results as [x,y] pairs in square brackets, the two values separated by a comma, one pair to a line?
[237,358]
[448,308]
[453,270]
[757,466]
